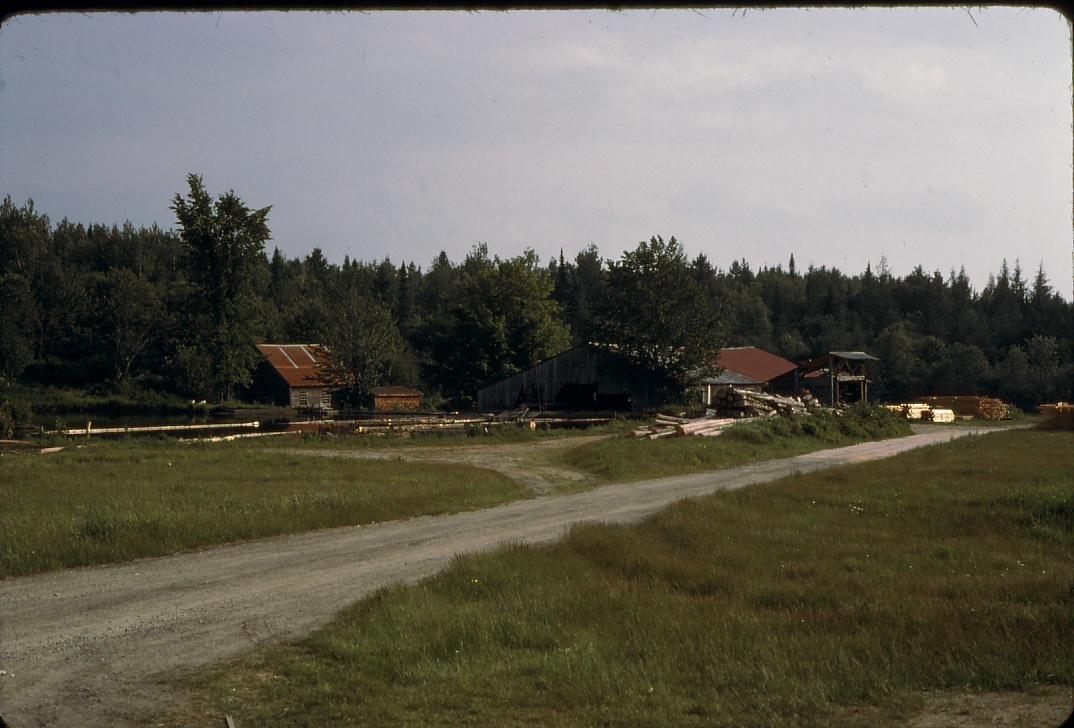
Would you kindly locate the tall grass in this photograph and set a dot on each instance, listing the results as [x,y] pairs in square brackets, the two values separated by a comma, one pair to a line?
[947,567]
[626,458]
[122,500]
[60,400]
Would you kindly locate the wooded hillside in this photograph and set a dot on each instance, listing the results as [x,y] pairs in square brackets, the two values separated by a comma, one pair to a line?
[114,307]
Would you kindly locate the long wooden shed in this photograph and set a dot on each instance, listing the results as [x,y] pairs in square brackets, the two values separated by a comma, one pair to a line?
[586,376]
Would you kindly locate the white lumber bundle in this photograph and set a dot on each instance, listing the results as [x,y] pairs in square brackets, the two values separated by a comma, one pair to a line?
[939,414]
[915,410]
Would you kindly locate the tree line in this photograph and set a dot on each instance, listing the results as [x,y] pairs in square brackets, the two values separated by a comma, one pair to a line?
[179,311]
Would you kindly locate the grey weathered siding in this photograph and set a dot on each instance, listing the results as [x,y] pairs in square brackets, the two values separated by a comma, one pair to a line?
[582,365]
[303,397]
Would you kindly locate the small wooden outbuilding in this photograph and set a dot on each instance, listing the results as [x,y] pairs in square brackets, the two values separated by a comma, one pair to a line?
[296,375]
[396,399]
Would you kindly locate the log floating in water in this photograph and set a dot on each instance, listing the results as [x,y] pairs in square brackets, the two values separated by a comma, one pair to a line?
[90,430]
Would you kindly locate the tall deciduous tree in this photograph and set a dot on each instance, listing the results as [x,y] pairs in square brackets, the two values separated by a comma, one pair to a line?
[363,340]
[16,326]
[503,320]
[658,315]
[131,309]
[225,241]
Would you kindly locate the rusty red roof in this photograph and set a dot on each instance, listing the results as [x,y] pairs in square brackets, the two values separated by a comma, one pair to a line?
[757,364]
[300,365]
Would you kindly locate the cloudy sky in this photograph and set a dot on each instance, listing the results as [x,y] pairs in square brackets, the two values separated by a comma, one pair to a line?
[928,136]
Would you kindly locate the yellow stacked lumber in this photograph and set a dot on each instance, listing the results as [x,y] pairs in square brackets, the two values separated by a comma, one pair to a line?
[984,408]
[939,414]
[1058,416]
[914,410]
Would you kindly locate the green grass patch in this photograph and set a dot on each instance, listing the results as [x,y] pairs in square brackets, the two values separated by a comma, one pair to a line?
[627,458]
[783,604]
[122,500]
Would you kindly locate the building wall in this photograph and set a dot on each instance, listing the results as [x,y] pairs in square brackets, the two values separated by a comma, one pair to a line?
[268,387]
[583,374]
[306,397]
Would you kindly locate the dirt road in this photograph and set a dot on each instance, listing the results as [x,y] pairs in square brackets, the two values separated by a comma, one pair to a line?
[527,463]
[79,647]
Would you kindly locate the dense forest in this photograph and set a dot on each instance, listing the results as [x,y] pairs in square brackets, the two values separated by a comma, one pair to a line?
[109,308]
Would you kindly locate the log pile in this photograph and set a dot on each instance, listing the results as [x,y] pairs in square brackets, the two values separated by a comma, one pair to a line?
[737,402]
[707,426]
[733,406]
[983,408]
[1058,416]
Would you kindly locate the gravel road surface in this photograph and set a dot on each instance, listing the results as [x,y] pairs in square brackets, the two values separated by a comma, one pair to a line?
[80,647]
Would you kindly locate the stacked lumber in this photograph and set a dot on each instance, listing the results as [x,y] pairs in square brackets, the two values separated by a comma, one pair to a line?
[736,402]
[1058,416]
[938,414]
[984,408]
[911,410]
[922,411]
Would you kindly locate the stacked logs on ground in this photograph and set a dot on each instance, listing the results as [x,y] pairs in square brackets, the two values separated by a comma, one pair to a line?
[736,402]
[732,407]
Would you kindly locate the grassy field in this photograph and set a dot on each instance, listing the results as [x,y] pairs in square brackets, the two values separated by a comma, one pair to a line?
[118,500]
[623,459]
[113,501]
[794,603]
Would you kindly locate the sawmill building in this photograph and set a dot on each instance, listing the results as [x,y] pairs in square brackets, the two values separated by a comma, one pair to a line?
[587,376]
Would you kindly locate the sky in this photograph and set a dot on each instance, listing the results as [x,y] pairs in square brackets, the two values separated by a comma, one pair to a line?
[936,136]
